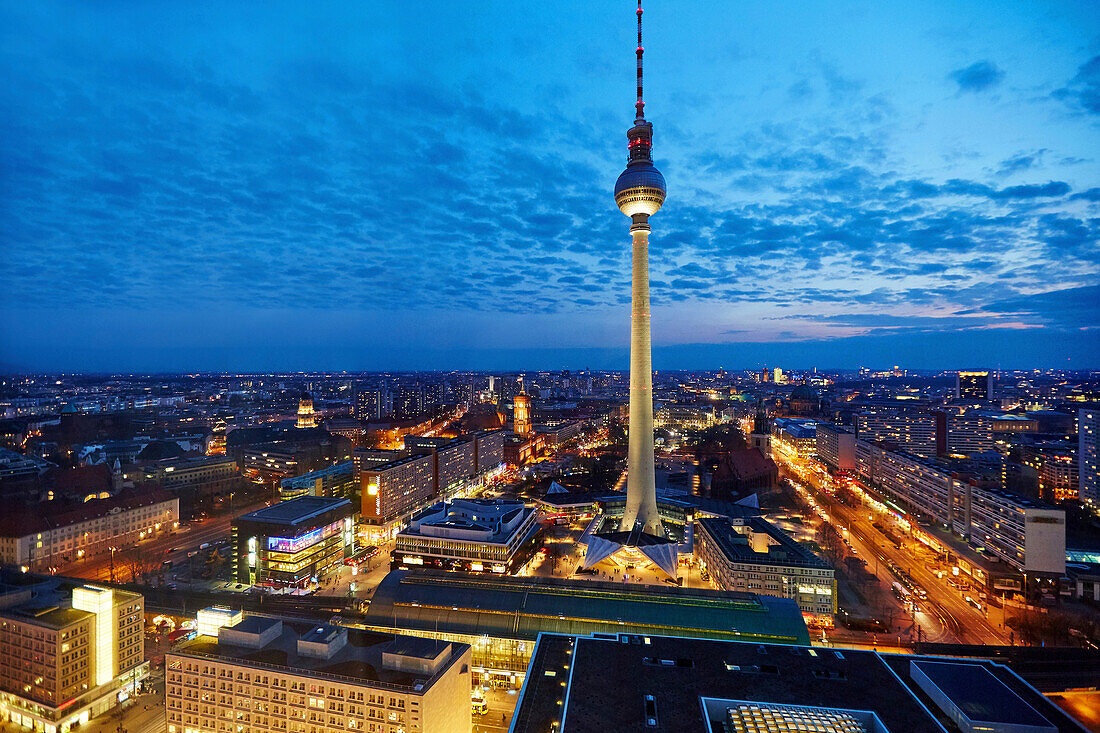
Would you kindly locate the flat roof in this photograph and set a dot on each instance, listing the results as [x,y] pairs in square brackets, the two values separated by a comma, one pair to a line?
[359,661]
[978,694]
[295,511]
[607,679]
[735,546]
[523,607]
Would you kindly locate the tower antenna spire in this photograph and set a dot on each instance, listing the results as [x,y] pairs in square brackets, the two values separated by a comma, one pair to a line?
[640,105]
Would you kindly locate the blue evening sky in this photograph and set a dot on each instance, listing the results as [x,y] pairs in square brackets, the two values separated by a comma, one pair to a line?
[381,185]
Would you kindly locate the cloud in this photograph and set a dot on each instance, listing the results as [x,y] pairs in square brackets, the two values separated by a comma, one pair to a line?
[1082,92]
[978,77]
[1020,162]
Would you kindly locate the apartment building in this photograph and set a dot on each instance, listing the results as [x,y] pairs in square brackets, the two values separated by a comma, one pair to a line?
[835,446]
[1027,535]
[268,674]
[67,654]
[911,430]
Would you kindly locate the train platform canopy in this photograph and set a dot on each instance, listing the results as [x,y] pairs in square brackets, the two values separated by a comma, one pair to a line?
[523,607]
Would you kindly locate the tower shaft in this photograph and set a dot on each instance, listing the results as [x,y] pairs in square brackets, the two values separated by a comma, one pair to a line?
[641,486]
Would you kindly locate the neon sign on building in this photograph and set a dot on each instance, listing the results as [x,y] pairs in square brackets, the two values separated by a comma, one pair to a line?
[297,544]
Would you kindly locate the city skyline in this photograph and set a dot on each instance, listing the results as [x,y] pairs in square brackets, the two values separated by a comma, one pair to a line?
[854,186]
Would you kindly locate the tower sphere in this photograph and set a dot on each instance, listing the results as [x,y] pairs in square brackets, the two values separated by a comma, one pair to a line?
[640,190]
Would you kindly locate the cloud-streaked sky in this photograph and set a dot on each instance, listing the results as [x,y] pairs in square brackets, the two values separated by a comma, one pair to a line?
[190,185]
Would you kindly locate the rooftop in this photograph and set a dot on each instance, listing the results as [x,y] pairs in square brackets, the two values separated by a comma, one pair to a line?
[524,607]
[295,511]
[359,661]
[53,514]
[599,683]
[736,547]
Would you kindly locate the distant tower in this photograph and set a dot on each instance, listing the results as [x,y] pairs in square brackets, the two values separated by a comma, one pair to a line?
[639,193]
[521,411]
[306,418]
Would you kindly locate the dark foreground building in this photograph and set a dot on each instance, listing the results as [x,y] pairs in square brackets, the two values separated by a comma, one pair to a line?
[631,682]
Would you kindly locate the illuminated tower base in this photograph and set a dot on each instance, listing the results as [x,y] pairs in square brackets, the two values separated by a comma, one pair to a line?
[641,486]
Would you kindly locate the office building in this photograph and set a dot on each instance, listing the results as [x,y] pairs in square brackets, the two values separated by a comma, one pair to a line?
[835,446]
[391,492]
[474,535]
[293,544]
[1088,461]
[69,654]
[754,556]
[338,480]
[635,682]
[53,534]
[501,617]
[268,674]
[976,386]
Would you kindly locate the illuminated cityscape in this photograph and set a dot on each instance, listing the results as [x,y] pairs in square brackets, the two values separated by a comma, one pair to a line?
[319,412]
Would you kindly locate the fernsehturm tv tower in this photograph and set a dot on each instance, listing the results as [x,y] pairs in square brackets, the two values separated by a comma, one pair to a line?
[639,193]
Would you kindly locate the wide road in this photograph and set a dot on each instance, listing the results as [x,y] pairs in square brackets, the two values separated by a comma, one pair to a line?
[967,624]
[209,530]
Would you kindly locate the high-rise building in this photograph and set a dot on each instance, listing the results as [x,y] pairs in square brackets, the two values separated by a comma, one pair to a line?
[973,386]
[1088,457]
[410,402]
[68,655]
[368,404]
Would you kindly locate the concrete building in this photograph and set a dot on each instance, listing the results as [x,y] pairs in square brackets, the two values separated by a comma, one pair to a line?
[56,535]
[1055,463]
[1027,535]
[754,556]
[268,674]
[369,404]
[293,544]
[636,682]
[911,430]
[69,654]
[338,480]
[436,468]
[475,535]
[1088,440]
[836,446]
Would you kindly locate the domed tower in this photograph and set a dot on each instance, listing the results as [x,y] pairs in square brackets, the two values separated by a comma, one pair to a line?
[306,418]
[639,193]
